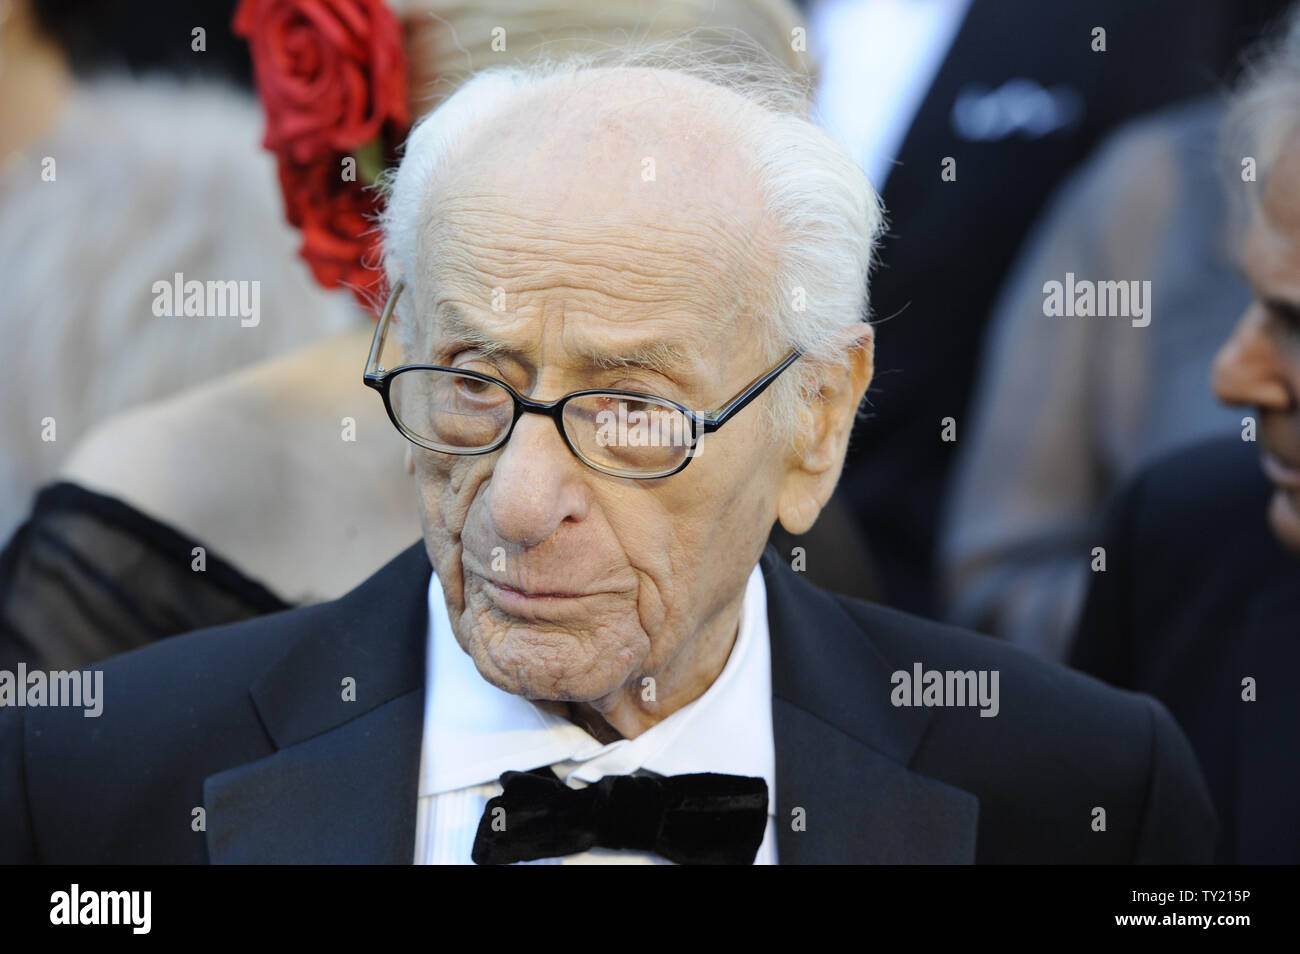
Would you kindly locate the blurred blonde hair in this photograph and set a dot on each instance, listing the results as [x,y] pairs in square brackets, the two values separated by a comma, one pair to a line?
[449,40]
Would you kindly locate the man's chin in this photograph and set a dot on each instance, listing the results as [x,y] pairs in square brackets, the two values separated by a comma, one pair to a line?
[557,690]
[543,664]
[1284,518]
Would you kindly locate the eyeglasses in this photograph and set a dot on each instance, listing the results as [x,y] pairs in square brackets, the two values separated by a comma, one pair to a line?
[621,433]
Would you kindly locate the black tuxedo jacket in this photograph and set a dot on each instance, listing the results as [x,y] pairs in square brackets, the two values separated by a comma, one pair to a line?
[1198,595]
[248,723]
[950,244]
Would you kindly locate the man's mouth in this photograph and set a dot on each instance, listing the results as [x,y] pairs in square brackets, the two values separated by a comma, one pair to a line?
[517,592]
[551,604]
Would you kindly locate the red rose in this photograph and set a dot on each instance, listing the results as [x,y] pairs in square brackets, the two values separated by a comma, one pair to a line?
[340,240]
[331,73]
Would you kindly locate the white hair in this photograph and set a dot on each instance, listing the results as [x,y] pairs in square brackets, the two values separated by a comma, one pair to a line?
[825,213]
[1265,109]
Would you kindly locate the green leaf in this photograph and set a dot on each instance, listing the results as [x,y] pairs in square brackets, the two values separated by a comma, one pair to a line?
[370,161]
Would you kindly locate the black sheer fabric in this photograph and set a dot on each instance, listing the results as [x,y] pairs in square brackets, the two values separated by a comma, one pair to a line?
[88,576]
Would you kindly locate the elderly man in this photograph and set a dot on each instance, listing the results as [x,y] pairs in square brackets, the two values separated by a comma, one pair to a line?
[631,306]
[1200,605]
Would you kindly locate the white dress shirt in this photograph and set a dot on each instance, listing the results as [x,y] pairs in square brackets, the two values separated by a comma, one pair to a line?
[473,732]
[878,60]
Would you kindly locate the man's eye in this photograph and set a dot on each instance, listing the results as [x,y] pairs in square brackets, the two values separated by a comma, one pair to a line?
[475,386]
[1289,318]
[629,405]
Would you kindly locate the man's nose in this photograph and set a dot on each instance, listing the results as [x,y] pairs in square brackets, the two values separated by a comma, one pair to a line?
[536,484]
[1248,369]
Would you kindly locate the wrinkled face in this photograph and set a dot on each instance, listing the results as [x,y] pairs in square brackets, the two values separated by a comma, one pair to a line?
[601,233]
[1259,365]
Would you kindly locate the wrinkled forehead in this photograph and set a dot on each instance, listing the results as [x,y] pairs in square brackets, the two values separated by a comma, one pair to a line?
[657,297]
[633,203]
[614,148]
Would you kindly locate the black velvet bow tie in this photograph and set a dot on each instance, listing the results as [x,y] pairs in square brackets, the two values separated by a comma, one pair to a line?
[690,819]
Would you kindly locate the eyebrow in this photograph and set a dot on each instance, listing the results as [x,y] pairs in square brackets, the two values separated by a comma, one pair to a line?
[450,324]
[668,358]
[662,357]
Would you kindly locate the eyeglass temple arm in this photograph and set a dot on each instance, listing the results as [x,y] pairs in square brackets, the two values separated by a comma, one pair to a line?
[381,331]
[715,419]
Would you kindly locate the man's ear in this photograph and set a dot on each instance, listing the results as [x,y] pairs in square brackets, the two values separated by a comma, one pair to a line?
[816,455]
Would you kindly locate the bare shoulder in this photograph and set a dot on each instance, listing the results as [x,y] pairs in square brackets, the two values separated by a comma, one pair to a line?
[289,469]
[187,460]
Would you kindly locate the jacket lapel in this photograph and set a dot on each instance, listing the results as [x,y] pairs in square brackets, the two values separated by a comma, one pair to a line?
[842,749]
[344,797]
[342,783]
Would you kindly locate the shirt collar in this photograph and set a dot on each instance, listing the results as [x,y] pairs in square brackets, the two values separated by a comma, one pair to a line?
[474,731]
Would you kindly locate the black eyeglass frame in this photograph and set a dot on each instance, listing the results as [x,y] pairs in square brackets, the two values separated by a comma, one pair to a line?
[381,379]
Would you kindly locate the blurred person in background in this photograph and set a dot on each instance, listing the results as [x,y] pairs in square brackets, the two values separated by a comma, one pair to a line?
[966,114]
[1199,604]
[111,183]
[241,497]
[1068,408]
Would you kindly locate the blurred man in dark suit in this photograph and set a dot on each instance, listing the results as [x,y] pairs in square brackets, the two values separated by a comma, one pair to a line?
[991,105]
[1199,603]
